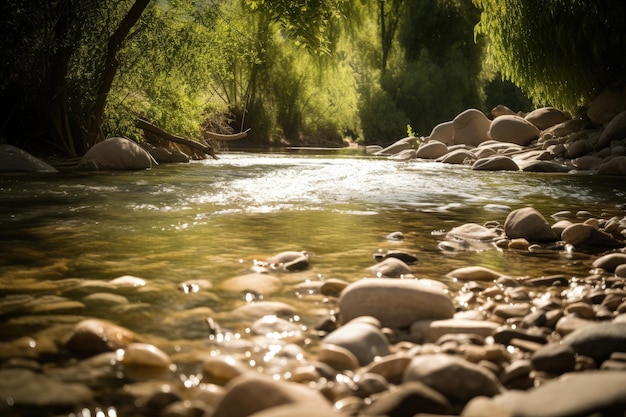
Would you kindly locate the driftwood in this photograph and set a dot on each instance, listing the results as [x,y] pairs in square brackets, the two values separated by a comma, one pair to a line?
[202,147]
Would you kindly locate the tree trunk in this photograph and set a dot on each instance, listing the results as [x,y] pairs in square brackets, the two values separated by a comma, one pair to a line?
[149,127]
[111,64]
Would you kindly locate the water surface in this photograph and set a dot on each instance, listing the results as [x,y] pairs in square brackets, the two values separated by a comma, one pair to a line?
[211,219]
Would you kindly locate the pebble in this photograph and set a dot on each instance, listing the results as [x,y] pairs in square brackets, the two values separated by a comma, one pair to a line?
[144,355]
[474,273]
[364,340]
[93,336]
[391,268]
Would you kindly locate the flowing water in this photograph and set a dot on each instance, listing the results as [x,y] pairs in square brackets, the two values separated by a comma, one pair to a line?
[63,235]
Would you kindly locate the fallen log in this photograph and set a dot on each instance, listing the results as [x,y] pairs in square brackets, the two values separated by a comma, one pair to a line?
[202,147]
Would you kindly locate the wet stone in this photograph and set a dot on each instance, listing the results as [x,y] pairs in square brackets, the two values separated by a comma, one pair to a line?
[454,377]
[365,341]
[409,399]
[554,358]
[598,341]
[411,301]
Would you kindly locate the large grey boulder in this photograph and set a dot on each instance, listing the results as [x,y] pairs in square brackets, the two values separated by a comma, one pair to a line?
[116,154]
[470,128]
[13,159]
[513,129]
[546,117]
[529,224]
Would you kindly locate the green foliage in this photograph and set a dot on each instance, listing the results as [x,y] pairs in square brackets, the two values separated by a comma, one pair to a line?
[559,52]
[438,73]
[382,122]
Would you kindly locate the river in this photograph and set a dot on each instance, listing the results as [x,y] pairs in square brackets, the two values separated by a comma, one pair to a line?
[63,235]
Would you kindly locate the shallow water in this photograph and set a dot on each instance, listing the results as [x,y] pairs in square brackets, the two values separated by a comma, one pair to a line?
[211,219]
[64,236]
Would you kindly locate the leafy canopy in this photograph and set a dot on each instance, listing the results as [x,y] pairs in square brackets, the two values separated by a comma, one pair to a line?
[559,52]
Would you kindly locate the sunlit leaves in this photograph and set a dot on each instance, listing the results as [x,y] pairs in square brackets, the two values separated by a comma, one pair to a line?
[559,51]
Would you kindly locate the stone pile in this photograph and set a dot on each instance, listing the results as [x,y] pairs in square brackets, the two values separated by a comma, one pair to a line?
[544,140]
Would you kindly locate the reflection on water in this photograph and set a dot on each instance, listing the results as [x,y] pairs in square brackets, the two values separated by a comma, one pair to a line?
[209,220]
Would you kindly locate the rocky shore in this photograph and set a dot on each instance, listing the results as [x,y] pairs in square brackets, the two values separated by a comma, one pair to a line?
[544,140]
[394,344]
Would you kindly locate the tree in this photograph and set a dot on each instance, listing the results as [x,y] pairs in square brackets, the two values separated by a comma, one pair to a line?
[63,59]
[559,52]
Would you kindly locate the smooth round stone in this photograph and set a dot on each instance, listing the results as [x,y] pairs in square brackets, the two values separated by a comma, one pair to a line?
[546,117]
[454,377]
[104,299]
[579,394]
[260,283]
[391,268]
[116,154]
[580,309]
[337,357]
[620,271]
[514,129]
[369,383]
[507,311]
[474,273]
[253,393]
[554,358]
[24,388]
[145,355]
[332,287]
[495,163]
[409,399]
[470,127]
[583,235]
[220,370]
[473,231]
[528,223]
[610,262]
[519,244]
[457,157]
[128,281]
[518,369]
[598,341]
[431,150]
[365,341]
[290,261]
[391,367]
[92,336]
[411,301]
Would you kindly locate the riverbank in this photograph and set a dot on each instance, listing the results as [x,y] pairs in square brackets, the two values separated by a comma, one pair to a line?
[479,341]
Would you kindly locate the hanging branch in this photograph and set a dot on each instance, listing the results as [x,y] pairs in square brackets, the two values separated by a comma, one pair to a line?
[149,127]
